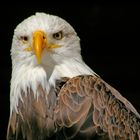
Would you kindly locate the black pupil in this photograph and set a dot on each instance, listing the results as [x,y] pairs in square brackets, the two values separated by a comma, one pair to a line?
[57,35]
[25,38]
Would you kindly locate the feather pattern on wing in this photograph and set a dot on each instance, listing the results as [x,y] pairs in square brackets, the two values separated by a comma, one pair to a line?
[88,104]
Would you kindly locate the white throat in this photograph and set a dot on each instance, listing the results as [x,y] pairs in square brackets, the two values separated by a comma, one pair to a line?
[29,77]
[23,78]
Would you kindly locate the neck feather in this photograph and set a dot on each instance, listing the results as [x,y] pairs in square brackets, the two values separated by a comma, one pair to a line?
[26,77]
[30,77]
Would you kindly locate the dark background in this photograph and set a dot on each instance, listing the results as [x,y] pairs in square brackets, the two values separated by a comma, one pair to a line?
[110,41]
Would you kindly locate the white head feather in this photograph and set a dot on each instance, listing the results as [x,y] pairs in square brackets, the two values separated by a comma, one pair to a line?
[65,61]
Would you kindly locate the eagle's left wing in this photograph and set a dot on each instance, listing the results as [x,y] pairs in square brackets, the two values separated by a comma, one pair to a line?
[87,106]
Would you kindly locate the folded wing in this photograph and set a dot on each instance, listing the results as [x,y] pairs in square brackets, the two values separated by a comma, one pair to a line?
[88,106]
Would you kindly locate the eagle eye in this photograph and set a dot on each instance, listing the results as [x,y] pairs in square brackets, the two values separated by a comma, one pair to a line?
[24,38]
[58,35]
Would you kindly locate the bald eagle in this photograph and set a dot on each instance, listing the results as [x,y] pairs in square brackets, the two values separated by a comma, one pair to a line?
[55,95]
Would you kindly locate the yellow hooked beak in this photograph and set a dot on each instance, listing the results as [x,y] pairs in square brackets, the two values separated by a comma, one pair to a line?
[39,43]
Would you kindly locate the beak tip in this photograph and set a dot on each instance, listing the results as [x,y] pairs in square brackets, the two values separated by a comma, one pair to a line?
[39,61]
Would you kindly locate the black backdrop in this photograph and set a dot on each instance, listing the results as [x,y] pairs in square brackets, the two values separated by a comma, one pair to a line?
[110,40]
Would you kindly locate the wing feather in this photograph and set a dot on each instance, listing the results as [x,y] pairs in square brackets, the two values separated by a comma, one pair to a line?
[90,98]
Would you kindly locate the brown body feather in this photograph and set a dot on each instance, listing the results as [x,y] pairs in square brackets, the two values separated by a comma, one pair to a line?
[83,107]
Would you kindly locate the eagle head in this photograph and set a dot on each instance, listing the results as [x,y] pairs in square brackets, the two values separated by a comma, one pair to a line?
[44,38]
